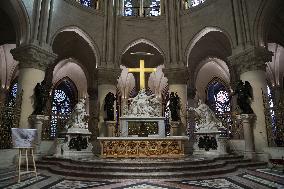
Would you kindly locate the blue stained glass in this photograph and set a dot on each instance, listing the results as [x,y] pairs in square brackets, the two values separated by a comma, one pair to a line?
[86,2]
[63,98]
[12,95]
[218,97]
[150,7]
[272,112]
[14,90]
[155,8]
[128,11]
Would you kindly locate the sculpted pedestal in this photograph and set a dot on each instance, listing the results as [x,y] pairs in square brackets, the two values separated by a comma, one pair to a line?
[248,135]
[175,127]
[36,122]
[110,128]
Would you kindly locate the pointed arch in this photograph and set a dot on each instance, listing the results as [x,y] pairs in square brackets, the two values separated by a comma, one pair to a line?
[200,35]
[220,63]
[141,40]
[18,14]
[82,34]
[75,71]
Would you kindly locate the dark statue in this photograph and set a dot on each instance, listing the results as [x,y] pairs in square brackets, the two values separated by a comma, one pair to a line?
[78,143]
[207,143]
[108,107]
[40,98]
[174,106]
[244,92]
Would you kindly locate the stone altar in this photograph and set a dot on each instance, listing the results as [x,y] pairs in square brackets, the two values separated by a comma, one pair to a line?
[143,110]
[125,123]
[142,133]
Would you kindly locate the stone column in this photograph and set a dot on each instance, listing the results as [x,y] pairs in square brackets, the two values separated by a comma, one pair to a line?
[107,79]
[93,111]
[191,102]
[251,66]
[248,134]
[33,61]
[177,78]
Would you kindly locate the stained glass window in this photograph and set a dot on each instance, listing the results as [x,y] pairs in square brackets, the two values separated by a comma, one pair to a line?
[128,8]
[142,8]
[63,101]
[7,116]
[155,8]
[86,2]
[218,97]
[12,95]
[219,101]
[272,112]
[192,3]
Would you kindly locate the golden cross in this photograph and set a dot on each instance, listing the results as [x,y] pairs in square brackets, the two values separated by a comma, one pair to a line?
[142,71]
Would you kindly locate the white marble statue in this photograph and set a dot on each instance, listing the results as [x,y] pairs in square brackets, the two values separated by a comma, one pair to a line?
[78,116]
[144,105]
[207,120]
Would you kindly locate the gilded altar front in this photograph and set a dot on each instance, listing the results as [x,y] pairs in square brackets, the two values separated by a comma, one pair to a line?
[142,147]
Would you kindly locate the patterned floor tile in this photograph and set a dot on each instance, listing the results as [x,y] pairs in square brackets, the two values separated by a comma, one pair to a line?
[26,182]
[76,184]
[144,185]
[221,183]
[262,181]
[274,172]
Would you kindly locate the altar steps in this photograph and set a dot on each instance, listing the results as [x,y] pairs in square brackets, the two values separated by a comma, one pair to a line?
[146,170]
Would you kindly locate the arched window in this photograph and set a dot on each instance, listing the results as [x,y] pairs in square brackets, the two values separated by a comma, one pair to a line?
[64,98]
[219,101]
[218,96]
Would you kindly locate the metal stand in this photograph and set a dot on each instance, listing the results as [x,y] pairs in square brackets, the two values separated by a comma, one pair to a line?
[24,151]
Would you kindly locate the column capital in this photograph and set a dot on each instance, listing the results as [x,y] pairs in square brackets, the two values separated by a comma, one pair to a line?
[107,75]
[31,56]
[177,75]
[251,59]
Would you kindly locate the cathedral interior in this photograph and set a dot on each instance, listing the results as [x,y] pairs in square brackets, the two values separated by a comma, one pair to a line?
[142,94]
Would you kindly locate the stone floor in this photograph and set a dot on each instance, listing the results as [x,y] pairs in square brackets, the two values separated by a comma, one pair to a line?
[260,178]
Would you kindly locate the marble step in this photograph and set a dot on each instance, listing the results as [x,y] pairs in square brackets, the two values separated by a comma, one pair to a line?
[147,175]
[142,162]
[160,168]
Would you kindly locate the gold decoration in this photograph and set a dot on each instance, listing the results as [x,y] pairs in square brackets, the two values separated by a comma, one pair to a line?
[162,148]
[142,71]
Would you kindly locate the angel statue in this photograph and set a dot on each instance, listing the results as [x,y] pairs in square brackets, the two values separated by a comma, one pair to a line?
[78,118]
[244,92]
